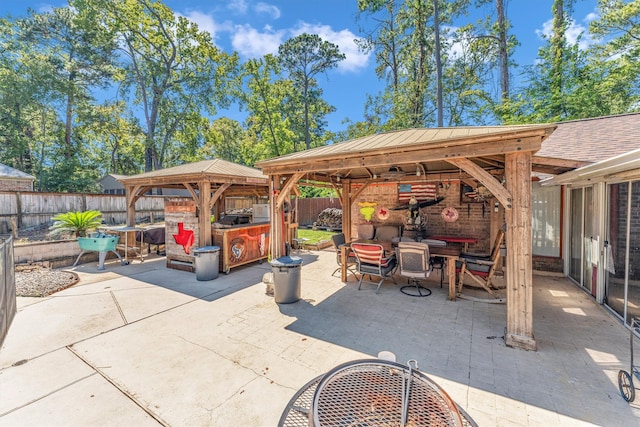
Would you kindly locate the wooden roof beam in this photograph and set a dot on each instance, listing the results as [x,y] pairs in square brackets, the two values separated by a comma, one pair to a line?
[192,192]
[218,193]
[286,188]
[423,154]
[496,188]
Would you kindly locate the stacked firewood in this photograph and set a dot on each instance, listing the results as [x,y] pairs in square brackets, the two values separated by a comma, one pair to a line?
[329,218]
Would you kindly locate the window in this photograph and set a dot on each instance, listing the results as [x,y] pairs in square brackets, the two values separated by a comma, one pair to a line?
[545,207]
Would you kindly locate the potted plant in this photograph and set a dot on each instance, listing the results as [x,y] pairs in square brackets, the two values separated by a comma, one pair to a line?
[78,223]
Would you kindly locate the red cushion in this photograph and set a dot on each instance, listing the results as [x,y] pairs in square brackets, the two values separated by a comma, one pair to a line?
[367,253]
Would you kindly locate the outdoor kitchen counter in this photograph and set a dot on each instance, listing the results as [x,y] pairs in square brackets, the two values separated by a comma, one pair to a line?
[241,244]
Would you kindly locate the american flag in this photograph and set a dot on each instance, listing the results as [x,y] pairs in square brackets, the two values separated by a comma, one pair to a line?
[420,191]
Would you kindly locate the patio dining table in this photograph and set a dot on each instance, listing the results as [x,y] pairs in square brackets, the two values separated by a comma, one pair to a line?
[449,253]
[365,392]
[456,239]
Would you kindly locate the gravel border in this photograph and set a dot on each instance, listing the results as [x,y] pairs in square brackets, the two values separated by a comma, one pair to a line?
[40,281]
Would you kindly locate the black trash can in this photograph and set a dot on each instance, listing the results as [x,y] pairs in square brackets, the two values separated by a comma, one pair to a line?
[207,262]
[286,279]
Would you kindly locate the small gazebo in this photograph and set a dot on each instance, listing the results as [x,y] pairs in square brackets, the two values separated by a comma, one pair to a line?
[500,158]
[208,182]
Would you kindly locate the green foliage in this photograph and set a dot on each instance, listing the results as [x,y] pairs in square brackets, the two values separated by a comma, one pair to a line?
[223,140]
[268,100]
[306,56]
[569,83]
[172,79]
[310,192]
[78,223]
[405,39]
[173,71]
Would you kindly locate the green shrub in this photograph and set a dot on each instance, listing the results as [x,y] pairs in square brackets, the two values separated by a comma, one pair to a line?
[78,223]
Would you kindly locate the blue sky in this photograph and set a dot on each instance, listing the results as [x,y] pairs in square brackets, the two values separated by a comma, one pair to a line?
[256,27]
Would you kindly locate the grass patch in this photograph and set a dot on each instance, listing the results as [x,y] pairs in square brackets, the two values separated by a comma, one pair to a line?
[314,236]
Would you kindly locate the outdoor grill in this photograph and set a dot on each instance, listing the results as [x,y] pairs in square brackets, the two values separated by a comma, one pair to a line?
[370,393]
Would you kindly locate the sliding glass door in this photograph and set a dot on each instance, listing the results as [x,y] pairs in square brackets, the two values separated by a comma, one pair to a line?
[622,288]
[575,239]
[583,243]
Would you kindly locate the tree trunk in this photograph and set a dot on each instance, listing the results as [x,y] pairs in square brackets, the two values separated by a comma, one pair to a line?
[68,149]
[436,25]
[557,49]
[307,136]
[503,51]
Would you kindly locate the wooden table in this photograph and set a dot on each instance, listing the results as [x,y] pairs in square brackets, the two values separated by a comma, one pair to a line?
[456,239]
[450,253]
[129,243]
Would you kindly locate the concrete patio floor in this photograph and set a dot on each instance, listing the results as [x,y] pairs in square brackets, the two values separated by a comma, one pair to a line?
[146,345]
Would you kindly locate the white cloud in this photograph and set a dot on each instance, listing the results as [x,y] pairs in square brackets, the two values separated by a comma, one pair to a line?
[591,17]
[268,9]
[253,43]
[572,33]
[344,39]
[205,22]
[250,42]
[238,6]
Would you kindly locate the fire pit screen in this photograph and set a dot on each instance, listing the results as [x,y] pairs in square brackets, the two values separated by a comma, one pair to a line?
[381,393]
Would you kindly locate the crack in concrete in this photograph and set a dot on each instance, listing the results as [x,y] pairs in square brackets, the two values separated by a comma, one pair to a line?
[115,300]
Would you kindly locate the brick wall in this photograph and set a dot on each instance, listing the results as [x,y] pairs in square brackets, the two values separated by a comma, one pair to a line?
[471,220]
[545,263]
[15,185]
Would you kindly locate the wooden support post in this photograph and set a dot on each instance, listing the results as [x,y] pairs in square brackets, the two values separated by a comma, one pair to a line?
[275,241]
[496,223]
[19,215]
[130,196]
[519,266]
[204,209]
[346,209]
[343,262]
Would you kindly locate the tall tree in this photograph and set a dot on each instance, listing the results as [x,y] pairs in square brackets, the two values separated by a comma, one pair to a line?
[414,36]
[438,60]
[80,54]
[172,68]
[305,56]
[557,44]
[224,141]
[265,98]
[619,26]
[503,50]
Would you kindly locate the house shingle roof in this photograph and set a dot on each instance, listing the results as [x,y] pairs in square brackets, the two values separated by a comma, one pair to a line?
[593,140]
[9,172]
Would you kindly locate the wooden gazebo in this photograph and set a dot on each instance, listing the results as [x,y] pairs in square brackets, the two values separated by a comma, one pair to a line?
[501,158]
[207,181]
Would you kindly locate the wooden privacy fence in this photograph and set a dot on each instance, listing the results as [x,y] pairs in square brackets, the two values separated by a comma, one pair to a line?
[30,209]
[26,209]
[8,307]
[308,208]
